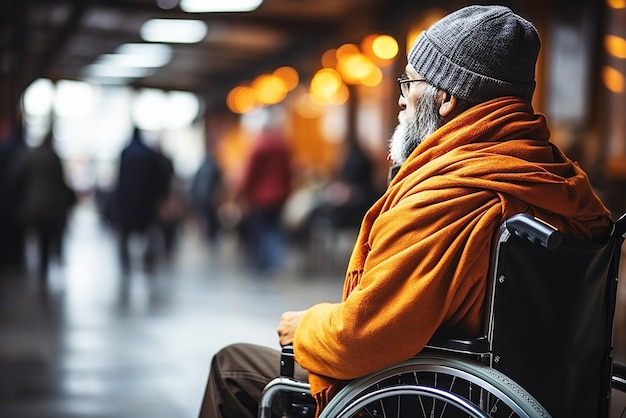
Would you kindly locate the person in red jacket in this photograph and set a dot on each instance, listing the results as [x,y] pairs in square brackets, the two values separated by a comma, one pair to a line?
[264,189]
[470,152]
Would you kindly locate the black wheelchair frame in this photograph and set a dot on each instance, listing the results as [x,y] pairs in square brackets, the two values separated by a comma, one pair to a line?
[549,318]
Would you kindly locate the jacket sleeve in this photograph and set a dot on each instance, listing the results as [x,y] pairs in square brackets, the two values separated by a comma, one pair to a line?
[424,265]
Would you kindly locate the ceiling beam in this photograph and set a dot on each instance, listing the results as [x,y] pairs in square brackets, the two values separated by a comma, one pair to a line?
[58,43]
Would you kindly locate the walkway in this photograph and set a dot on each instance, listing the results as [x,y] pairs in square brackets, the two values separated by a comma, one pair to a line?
[103,344]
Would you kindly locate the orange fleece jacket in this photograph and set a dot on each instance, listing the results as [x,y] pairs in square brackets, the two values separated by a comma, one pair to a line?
[422,254]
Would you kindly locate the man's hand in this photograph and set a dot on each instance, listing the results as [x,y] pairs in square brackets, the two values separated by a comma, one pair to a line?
[287,326]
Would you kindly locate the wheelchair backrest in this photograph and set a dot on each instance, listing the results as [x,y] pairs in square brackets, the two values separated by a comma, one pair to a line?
[550,317]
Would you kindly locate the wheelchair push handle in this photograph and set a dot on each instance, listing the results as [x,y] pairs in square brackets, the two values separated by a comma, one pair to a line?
[534,230]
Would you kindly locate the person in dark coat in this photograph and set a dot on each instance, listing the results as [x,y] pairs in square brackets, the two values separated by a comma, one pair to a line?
[45,199]
[206,190]
[142,184]
[350,193]
[11,232]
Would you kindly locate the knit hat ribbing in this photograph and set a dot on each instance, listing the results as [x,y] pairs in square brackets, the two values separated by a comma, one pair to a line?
[478,53]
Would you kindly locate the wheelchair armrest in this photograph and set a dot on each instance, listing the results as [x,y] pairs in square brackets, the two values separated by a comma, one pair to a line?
[287,365]
[287,384]
[477,346]
[287,361]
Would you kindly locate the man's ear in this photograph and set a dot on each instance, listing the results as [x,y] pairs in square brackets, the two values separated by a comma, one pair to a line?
[447,105]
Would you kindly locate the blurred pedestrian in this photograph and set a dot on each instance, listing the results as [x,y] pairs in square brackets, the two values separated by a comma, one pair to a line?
[11,232]
[142,185]
[351,191]
[264,189]
[45,199]
[206,193]
[171,208]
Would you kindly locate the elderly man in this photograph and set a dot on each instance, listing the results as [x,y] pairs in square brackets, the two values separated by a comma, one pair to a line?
[470,152]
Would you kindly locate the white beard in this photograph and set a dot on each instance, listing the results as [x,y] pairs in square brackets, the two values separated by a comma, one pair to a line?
[398,142]
[413,129]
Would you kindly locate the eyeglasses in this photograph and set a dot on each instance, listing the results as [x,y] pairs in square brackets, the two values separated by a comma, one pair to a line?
[403,84]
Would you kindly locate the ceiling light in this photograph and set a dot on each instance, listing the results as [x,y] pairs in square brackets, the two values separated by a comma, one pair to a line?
[207,6]
[38,97]
[137,59]
[107,71]
[128,61]
[134,60]
[144,55]
[167,4]
[615,45]
[173,31]
[613,79]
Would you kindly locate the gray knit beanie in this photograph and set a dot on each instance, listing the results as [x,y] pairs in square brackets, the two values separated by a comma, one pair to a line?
[478,53]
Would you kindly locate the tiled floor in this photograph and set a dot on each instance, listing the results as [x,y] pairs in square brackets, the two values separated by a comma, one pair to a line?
[104,344]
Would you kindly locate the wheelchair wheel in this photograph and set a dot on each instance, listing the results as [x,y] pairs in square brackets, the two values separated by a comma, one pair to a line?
[434,386]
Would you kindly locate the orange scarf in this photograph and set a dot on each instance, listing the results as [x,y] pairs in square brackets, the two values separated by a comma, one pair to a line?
[423,251]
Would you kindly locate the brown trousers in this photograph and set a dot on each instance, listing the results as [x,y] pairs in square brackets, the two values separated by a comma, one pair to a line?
[239,372]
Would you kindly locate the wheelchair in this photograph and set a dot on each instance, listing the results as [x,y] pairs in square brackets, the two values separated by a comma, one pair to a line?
[546,350]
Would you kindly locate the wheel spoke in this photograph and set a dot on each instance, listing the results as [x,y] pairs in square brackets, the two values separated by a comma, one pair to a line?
[434,386]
